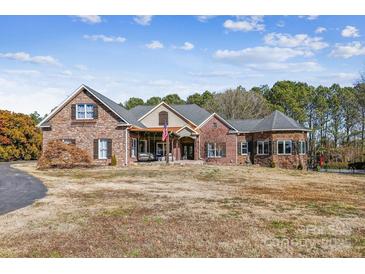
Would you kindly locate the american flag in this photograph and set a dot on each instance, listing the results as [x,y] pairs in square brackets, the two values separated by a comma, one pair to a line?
[165,133]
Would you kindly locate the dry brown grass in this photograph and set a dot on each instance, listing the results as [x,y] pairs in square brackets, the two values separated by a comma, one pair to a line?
[189,211]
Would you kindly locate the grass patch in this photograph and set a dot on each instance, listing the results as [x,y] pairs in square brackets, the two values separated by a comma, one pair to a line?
[333,209]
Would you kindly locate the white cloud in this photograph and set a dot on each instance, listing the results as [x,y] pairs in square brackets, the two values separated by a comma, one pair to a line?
[66,73]
[155,45]
[259,54]
[350,31]
[89,19]
[143,20]
[348,50]
[81,67]
[292,67]
[309,17]
[204,18]
[253,23]
[296,41]
[26,57]
[22,72]
[320,30]
[105,38]
[187,46]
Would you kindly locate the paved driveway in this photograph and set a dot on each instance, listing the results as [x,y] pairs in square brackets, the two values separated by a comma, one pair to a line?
[18,189]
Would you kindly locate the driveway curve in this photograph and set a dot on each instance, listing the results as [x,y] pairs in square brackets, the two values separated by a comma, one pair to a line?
[18,189]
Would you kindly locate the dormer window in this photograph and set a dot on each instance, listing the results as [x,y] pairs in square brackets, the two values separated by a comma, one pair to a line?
[84,111]
[163,117]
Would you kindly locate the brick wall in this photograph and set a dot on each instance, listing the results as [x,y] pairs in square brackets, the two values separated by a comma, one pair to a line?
[220,134]
[85,132]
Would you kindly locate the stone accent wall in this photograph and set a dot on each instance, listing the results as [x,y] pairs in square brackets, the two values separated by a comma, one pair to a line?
[220,134]
[84,132]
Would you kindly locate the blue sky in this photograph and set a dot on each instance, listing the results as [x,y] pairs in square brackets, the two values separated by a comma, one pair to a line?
[45,58]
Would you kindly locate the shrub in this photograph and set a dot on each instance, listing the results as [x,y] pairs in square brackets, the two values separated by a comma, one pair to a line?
[272,164]
[60,155]
[335,165]
[114,161]
[300,166]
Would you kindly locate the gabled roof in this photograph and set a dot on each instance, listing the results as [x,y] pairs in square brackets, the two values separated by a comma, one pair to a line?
[120,111]
[231,127]
[276,121]
[191,112]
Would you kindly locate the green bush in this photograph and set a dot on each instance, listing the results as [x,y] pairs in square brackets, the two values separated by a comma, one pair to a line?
[272,164]
[336,165]
[114,161]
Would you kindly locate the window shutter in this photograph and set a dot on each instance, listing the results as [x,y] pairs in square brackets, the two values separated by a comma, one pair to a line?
[109,151]
[96,148]
[270,147]
[96,112]
[250,150]
[254,148]
[73,112]
[274,147]
[239,145]
[206,150]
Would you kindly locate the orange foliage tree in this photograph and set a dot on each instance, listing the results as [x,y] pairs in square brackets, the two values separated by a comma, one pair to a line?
[20,139]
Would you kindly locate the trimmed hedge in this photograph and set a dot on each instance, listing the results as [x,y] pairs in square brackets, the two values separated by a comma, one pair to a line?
[60,155]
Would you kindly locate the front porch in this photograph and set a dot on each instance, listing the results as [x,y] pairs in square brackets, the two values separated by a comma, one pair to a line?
[147,145]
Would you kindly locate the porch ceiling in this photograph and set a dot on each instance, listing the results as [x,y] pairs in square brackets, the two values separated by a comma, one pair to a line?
[155,129]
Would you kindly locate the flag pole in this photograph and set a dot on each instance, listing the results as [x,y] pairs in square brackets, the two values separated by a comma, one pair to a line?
[167,148]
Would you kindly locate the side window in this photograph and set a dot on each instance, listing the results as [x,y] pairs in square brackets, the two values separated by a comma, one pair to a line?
[244,148]
[85,111]
[134,147]
[302,147]
[163,117]
[285,147]
[103,149]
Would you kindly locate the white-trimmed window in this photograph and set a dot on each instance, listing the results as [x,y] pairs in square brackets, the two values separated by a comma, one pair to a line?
[84,111]
[244,148]
[262,147]
[134,147]
[285,147]
[103,149]
[216,150]
[302,148]
[143,146]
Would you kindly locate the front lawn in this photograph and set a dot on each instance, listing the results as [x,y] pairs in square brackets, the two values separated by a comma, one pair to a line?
[189,211]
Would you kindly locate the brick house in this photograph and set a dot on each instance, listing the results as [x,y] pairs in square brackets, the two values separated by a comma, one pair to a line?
[100,126]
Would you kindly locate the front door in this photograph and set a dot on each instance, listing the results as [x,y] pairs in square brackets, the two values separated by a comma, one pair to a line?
[187,152]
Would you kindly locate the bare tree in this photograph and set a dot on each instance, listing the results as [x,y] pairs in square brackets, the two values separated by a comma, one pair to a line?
[238,104]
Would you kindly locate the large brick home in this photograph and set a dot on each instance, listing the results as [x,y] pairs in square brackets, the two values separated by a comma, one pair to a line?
[100,126]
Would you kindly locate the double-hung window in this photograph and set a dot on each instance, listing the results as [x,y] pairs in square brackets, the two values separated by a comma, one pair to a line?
[302,147]
[262,147]
[216,150]
[244,148]
[284,147]
[103,149]
[84,111]
[134,147]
